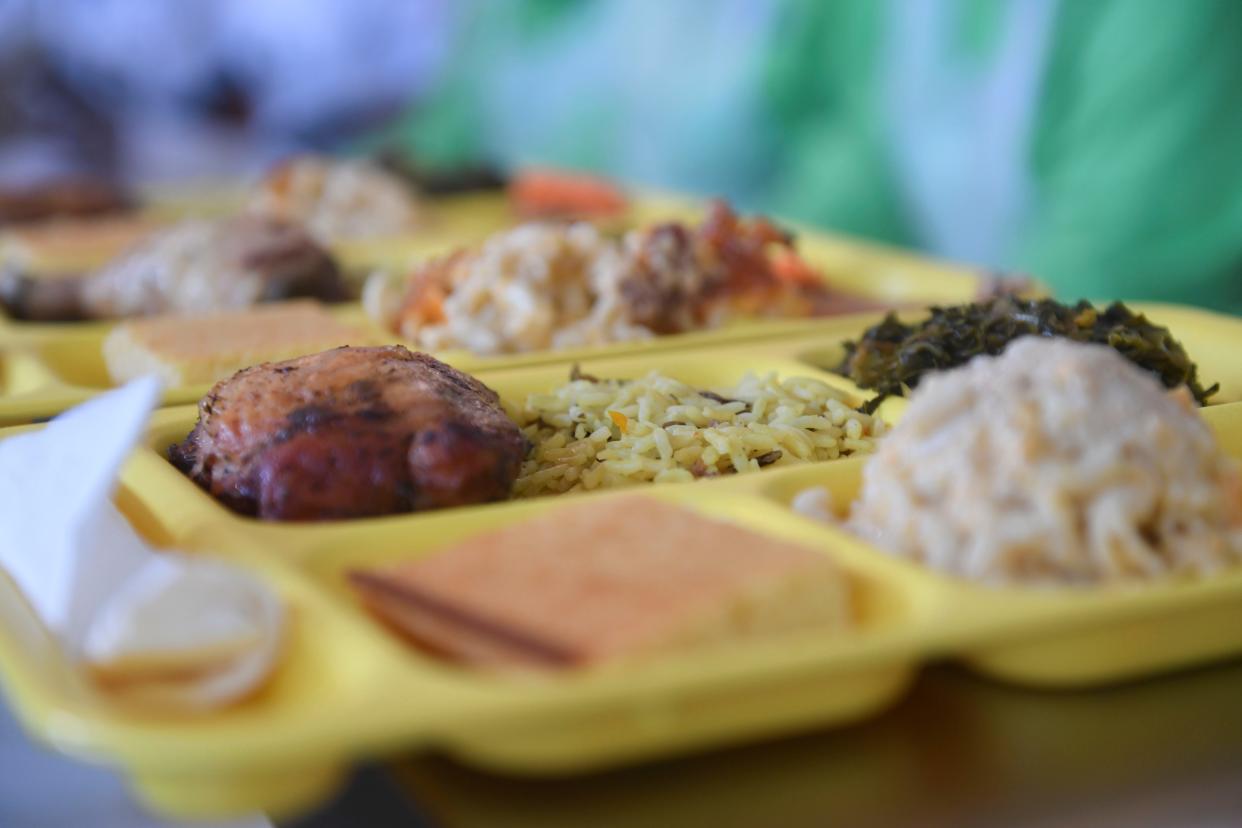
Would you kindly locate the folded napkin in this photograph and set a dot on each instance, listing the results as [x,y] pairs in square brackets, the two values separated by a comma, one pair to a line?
[159,627]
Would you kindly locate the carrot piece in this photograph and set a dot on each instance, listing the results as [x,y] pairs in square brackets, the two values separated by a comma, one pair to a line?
[622,422]
[788,266]
[426,304]
[543,192]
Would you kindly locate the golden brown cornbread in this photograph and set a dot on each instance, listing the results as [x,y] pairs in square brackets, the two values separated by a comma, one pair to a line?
[602,581]
[189,350]
[72,245]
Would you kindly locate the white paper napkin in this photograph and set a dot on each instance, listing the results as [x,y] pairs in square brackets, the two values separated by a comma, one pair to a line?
[144,619]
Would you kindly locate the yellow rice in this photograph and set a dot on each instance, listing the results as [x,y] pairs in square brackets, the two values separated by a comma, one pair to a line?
[591,434]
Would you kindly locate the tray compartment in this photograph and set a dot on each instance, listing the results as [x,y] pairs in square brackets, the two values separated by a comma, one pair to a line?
[680,702]
[72,353]
[332,698]
[71,364]
[166,489]
[76,359]
[888,273]
[25,385]
[1070,637]
[21,373]
[1209,338]
[68,361]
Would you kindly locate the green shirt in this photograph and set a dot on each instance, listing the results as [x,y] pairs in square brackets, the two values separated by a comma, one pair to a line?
[1107,133]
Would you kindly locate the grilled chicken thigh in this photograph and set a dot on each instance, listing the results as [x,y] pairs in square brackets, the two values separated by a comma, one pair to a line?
[351,432]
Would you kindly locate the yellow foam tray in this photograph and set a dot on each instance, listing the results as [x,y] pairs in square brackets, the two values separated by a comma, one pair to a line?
[43,374]
[348,689]
[46,368]
[448,220]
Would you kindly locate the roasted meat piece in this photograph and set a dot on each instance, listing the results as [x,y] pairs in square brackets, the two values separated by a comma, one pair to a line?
[351,432]
[193,267]
[684,278]
[893,356]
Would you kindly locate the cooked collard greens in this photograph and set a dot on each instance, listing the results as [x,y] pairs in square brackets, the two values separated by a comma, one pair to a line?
[894,356]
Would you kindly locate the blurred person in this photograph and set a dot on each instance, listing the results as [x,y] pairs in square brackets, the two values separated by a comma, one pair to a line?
[47,130]
[1097,145]
[203,88]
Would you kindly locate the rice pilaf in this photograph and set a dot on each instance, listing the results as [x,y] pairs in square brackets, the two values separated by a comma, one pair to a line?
[594,434]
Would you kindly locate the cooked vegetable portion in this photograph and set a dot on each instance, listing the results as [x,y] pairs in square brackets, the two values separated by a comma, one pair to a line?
[894,356]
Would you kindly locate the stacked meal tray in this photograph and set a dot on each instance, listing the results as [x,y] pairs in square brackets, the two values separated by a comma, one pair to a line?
[347,688]
[46,367]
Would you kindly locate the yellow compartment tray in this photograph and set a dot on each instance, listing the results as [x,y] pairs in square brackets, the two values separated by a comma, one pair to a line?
[55,366]
[47,371]
[1211,339]
[348,689]
[447,220]
[44,374]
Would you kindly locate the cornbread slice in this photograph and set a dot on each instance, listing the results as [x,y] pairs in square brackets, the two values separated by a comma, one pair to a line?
[190,350]
[69,245]
[604,581]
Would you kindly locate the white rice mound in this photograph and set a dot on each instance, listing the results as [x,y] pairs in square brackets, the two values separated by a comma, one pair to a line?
[534,287]
[337,199]
[591,434]
[1054,464]
[189,267]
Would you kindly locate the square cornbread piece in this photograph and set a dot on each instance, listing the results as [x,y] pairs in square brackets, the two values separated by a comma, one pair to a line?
[191,350]
[605,580]
[73,245]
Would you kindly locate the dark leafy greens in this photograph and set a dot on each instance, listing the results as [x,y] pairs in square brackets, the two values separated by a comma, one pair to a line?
[893,356]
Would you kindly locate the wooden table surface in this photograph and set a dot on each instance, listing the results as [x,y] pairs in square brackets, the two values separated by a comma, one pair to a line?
[957,751]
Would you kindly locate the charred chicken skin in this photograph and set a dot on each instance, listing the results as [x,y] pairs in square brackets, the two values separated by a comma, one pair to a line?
[685,278]
[351,432]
